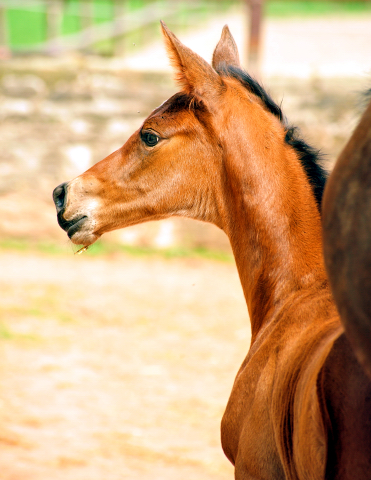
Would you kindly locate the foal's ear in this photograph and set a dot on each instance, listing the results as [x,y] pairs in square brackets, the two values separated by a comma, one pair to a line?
[192,73]
[226,52]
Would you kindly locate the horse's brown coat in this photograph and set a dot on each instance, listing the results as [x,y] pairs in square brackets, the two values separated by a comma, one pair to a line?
[347,235]
[222,158]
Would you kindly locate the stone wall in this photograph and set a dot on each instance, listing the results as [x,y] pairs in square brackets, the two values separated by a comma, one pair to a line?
[60,116]
[58,119]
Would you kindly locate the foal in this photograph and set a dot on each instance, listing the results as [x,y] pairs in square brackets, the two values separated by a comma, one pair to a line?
[219,151]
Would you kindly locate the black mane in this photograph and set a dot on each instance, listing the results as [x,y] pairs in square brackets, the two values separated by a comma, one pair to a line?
[309,157]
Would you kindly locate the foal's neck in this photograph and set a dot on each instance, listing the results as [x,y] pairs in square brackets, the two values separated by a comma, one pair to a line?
[273,223]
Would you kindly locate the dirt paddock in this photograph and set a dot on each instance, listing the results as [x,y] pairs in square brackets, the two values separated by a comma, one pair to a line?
[116,367]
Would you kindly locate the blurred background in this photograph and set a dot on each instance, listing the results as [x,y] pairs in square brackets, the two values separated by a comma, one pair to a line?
[118,363]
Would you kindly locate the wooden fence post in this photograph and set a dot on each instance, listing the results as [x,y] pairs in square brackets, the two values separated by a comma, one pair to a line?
[255,9]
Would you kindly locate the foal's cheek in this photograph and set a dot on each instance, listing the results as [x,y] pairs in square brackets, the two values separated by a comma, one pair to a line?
[134,164]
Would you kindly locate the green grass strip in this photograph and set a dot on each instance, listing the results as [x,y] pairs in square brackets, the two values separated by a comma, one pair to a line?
[315,8]
[102,249]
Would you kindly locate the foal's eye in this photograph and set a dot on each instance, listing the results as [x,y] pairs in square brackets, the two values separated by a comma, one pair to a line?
[150,139]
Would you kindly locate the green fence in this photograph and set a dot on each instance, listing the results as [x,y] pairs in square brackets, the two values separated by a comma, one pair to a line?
[102,26]
[110,27]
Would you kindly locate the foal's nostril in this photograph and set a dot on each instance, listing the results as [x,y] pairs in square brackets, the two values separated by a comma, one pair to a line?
[59,196]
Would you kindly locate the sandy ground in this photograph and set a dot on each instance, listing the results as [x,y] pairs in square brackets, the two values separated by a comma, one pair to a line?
[116,368]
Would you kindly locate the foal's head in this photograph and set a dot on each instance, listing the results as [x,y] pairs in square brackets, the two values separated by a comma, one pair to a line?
[178,162]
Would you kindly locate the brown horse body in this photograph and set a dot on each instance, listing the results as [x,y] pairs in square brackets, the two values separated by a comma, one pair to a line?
[347,237]
[219,152]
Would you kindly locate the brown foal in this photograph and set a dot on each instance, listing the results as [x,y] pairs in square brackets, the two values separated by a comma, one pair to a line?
[219,151]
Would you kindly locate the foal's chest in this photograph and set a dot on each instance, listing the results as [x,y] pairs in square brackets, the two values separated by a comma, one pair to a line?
[247,430]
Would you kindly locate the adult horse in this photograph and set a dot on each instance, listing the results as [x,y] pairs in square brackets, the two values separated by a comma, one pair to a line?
[347,238]
[219,151]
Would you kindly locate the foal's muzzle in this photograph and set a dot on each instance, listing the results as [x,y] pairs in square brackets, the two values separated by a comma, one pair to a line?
[59,197]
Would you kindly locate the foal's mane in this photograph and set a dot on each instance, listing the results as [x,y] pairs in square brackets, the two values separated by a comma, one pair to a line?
[309,157]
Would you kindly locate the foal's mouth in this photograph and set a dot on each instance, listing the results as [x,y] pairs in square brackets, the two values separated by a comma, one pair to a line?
[71,226]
